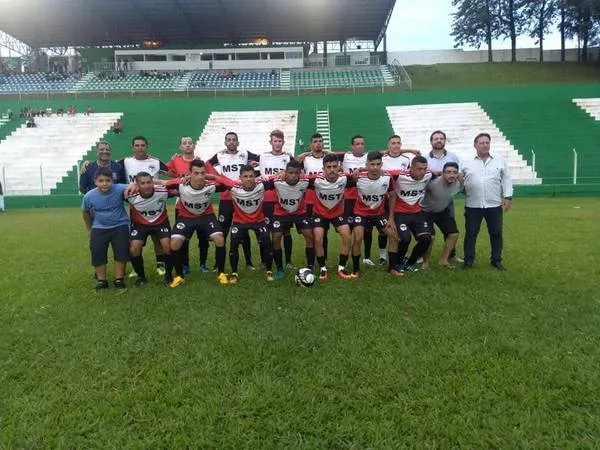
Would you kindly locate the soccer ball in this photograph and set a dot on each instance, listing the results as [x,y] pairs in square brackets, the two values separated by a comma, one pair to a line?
[305,277]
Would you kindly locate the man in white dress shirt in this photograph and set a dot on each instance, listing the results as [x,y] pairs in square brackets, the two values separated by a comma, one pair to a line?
[488,195]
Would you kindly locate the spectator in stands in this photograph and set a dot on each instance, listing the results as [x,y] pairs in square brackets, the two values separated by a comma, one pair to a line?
[88,110]
[71,111]
[87,171]
[488,195]
[118,127]
[49,111]
[60,111]
[31,122]
[9,113]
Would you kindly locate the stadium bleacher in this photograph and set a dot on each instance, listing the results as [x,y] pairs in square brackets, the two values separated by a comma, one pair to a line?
[130,81]
[238,80]
[338,78]
[35,82]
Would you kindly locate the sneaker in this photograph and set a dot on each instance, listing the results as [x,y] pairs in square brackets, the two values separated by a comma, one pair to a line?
[222,278]
[160,269]
[355,275]
[457,259]
[382,261]
[215,270]
[204,269]
[420,261]
[279,275]
[323,274]
[250,267]
[139,282]
[233,278]
[368,262]
[344,274]
[177,281]
[270,276]
[120,283]
[395,272]
[101,285]
[290,266]
[499,267]
[132,274]
[186,270]
[411,268]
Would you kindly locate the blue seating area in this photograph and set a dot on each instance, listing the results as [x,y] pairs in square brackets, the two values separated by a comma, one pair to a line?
[36,82]
[239,80]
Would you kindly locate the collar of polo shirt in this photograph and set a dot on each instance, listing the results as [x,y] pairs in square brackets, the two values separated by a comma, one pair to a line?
[443,156]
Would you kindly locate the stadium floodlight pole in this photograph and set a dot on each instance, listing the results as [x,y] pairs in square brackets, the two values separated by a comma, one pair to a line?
[574,166]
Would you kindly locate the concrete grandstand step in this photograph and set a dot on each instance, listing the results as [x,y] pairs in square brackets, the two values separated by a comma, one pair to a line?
[285,79]
[589,105]
[388,78]
[34,160]
[183,82]
[323,126]
[253,129]
[82,82]
[461,122]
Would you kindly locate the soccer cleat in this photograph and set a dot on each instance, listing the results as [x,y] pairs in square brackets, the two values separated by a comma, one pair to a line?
[279,275]
[411,268]
[250,267]
[323,274]
[101,285]
[222,278]
[203,269]
[457,259]
[233,278]
[177,281]
[167,280]
[132,274]
[382,261]
[139,282]
[344,274]
[395,272]
[368,262]
[270,276]
[160,269]
[186,269]
[355,275]
[120,283]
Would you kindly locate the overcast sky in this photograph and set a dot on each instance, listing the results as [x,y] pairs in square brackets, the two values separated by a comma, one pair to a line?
[425,25]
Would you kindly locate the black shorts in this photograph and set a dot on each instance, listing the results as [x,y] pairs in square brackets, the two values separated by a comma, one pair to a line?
[268,208]
[239,232]
[283,223]
[225,214]
[206,225]
[322,222]
[349,209]
[378,222]
[117,238]
[444,220]
[140,232]
[411,223]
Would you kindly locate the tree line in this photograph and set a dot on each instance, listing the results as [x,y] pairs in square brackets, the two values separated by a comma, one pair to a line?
[479,22]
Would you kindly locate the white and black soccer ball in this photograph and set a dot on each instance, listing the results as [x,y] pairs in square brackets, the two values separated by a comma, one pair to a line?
[305,277]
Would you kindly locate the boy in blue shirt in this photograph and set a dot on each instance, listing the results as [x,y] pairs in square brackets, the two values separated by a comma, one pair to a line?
[107,223]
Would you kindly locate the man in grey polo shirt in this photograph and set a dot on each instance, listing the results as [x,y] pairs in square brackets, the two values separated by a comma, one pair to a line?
[436,207]
[488,195]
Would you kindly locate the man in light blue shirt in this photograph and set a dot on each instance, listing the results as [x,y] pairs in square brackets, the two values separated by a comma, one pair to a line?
[439,156]
[488,195]
[107,223]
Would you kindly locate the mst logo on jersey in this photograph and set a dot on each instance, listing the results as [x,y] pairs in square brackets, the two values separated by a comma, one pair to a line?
[271,164]
[410,192]
[195,202]
[230,163]
[313,166]
[248,201]
[372,194]
[330,194]
[151,210]
[134,166]
[352,162]
[290,197]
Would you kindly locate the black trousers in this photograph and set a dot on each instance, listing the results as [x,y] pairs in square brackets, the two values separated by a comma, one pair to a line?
[493,220]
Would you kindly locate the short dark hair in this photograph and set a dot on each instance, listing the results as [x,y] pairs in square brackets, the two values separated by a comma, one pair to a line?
[185,136]
[293,164]
[139,138]
[246,168]
[480,135]
[231,133]
[196,163]
[358,136]
[142,175]
[330,157]
[316,136]
[393,136]
[419,159]
[437,132]
[450,164]
[103,172]
[374,156]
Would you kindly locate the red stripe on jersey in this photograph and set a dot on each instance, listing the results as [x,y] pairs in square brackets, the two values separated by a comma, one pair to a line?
[409,192]
[149,211]
[247,205]
[372,195]
[329,197]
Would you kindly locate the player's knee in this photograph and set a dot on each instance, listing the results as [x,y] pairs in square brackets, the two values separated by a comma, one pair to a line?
[218,239]
[176,244]
[425,238]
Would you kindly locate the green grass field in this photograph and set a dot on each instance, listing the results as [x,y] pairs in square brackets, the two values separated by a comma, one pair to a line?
[438,359]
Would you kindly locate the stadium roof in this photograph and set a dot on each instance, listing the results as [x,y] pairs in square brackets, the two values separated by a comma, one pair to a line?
[63,23]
